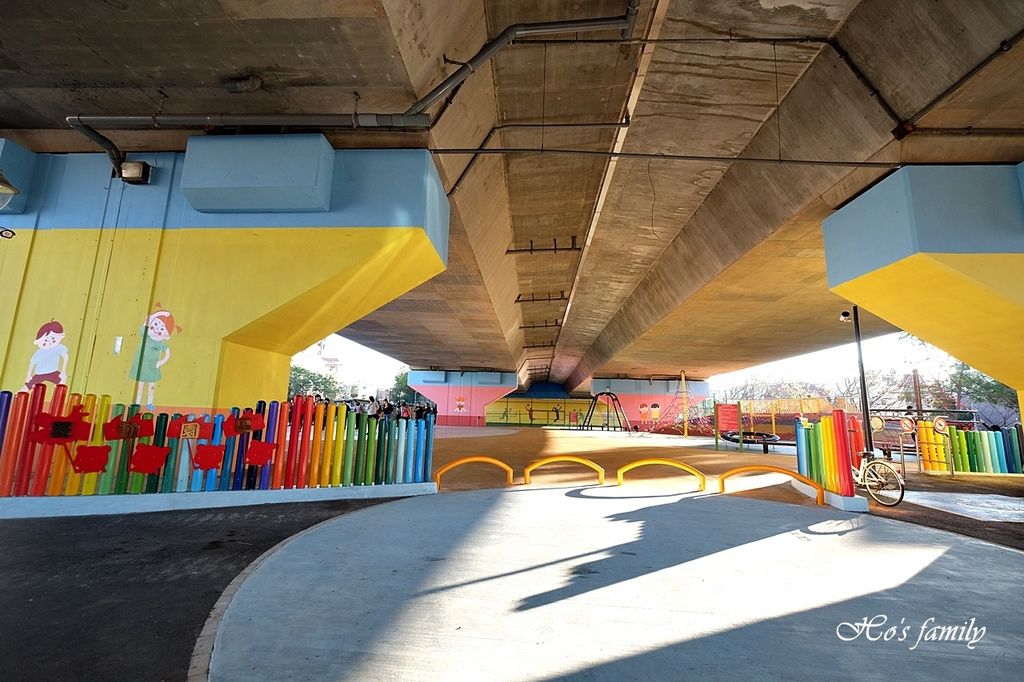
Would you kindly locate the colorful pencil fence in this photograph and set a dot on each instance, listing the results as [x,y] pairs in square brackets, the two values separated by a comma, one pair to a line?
[87,445]
[984,452]
[825,450]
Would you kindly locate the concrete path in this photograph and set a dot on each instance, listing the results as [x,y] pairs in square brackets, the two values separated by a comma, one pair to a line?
[618,584]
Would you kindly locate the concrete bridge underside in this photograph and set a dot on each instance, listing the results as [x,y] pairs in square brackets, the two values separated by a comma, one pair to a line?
[702,265]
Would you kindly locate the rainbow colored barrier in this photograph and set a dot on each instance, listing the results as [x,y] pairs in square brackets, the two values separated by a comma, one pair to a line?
[826,450]
[86,445]
[983,452]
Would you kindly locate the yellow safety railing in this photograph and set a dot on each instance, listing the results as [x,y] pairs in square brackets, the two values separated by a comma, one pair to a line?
[779,470]
[660,460]
[470,460]
[563,458]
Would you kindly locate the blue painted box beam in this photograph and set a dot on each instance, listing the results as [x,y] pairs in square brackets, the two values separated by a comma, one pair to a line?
[257,173]
[18,164]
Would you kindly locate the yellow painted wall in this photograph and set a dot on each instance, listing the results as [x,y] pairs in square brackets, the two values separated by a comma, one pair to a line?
[969,305]
[246,299]
[542,413]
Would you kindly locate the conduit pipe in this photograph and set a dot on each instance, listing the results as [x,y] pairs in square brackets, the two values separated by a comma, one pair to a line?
[413,119]
[506,37]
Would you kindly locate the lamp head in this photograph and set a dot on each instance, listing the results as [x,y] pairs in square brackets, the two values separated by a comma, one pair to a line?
[7,191]
[845,316]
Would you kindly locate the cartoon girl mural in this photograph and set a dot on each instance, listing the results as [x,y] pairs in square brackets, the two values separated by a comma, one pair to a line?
[153,352]
[655,412]
[460,404]
[645,413]
[50,362]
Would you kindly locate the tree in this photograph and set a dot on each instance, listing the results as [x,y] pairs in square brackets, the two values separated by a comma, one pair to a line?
[967,387]
[402,391]
[302,381]
[886,390]
[757,388]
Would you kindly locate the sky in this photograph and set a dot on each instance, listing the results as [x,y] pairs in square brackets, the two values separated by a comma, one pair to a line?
[372,370]
[899,352]
[359,365]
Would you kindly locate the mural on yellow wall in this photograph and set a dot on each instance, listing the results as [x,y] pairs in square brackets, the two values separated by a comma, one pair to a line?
[49,364]
[153,353]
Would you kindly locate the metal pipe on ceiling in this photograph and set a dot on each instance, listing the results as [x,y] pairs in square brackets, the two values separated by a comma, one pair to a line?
[116,155]
[908,126]
[632,10]
[413,119]
[506,37]
[680,157]
[808,40]
[324,121]
[503,126]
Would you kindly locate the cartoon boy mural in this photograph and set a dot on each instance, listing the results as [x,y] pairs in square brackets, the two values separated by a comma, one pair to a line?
[153,352]
[50,362]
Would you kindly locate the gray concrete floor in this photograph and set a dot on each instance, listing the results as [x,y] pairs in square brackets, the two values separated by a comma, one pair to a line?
[618,584]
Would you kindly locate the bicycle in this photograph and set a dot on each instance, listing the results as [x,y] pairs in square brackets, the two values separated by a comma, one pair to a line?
[881,480]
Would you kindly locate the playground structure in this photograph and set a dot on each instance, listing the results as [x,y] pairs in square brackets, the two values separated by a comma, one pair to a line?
[85,445]
[602,411]
[613,410]
[559,412]
[770,416]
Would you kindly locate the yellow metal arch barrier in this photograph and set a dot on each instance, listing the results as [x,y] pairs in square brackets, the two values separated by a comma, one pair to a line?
[470,460]
[764,467]
[563,458]
[660,460]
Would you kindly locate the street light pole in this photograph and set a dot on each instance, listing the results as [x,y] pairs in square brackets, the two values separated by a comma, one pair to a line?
[868,444]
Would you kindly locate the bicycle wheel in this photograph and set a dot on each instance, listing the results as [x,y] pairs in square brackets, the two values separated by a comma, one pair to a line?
[883,483]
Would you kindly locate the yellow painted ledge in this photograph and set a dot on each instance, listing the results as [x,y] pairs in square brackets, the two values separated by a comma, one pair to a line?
[969,305]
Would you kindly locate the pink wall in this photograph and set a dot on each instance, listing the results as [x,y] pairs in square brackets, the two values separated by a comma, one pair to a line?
[640,396]
[641,410]
[461,404]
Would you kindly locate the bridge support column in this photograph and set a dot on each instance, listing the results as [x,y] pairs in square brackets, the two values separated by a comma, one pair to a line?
[462,397]
[200,285]
[939,252]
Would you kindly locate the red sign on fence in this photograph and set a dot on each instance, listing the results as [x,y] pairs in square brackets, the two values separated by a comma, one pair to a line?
[728,417]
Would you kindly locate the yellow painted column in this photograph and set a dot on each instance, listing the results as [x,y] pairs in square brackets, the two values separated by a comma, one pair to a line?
[196,317]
